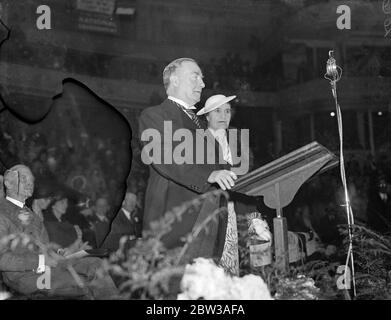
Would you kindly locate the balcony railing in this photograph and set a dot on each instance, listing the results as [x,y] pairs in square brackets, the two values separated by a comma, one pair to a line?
[22,78]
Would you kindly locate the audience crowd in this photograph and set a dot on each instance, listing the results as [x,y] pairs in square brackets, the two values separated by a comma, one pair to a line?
[77,183]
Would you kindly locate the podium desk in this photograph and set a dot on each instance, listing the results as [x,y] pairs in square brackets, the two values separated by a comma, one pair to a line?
[278,183]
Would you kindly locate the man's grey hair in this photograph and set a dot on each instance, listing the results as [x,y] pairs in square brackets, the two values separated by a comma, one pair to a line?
[9,173]
[171,68]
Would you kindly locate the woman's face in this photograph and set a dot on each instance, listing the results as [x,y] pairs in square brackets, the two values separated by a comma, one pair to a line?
[220,117]
[43,203]
[61,205]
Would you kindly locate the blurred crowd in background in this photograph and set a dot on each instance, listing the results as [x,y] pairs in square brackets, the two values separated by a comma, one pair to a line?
[77,182]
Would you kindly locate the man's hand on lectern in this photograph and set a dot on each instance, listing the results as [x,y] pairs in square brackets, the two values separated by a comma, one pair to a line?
[224,178]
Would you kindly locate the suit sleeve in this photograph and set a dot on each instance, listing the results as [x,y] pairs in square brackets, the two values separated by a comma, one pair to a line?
[192,176]
[19,259]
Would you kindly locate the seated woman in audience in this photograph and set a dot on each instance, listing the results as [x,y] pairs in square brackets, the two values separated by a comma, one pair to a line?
[41,202]
[62,232]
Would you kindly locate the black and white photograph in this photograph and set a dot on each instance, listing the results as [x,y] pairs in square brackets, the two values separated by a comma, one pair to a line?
[213,151]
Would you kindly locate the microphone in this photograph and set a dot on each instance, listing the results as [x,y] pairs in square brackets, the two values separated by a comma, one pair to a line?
[331,67]
[333,72]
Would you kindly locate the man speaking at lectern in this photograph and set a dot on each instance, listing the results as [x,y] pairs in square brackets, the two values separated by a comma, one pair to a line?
[171,184]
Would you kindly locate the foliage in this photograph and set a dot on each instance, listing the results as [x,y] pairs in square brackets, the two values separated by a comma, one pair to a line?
[146,269]
[372,255]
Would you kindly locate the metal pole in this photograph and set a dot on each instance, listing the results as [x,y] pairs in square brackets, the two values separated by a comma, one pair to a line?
[281,245]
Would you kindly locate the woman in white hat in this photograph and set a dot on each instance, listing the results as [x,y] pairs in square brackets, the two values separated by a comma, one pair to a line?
[217,111]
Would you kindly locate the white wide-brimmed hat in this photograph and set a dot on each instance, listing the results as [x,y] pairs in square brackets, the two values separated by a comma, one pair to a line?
[214,102]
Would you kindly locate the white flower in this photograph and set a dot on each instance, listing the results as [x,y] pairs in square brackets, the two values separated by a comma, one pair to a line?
[250,287]
[261,229]
[204,280]
[4,295]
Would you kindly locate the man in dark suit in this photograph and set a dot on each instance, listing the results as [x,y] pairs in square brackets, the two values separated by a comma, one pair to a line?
[124,223]
[22,266]
[100,221]
[172,182]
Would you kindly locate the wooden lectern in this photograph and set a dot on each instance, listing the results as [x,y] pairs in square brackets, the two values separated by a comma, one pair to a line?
[278,183]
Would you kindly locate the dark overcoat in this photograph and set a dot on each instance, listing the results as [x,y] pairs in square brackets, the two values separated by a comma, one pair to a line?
[172,184]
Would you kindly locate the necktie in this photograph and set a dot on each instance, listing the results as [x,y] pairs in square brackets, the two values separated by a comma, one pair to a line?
[191,114]
[193,117]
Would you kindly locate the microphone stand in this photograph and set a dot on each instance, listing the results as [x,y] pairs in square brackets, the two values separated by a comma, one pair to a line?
[334,74]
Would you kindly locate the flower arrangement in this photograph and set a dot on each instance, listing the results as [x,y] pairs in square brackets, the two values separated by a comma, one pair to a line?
[4,295]
[205,280]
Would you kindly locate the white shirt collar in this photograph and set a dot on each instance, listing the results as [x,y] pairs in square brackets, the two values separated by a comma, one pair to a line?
[181,102]
[127,213]
[15,202]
